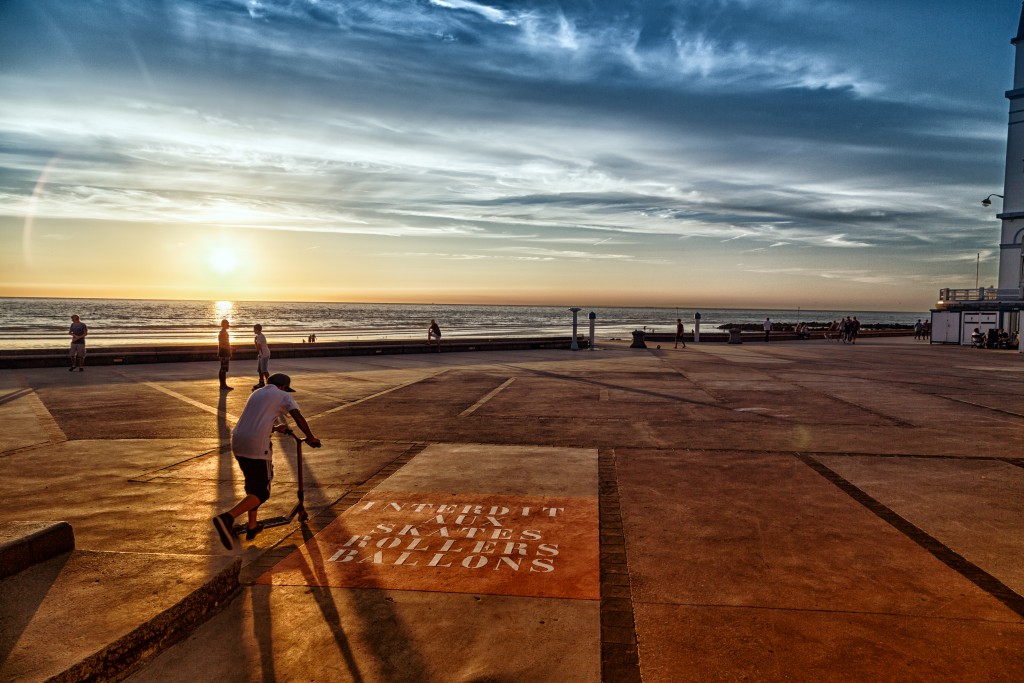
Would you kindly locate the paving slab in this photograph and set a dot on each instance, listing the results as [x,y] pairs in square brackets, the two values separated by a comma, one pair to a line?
[972,506]
[109,609]
[336,634]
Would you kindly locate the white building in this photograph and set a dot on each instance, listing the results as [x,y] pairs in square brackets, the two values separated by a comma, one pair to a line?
[960,311]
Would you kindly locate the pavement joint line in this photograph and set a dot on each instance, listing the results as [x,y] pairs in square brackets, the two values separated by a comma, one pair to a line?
[24,449]
[841,454]
[620,656]
[958,563]
[814,610]
[376,395]
[491,394]
[920,456]
[14,395]
[897,421]
[181,397]
[632,390]
[149,476]
[980,405]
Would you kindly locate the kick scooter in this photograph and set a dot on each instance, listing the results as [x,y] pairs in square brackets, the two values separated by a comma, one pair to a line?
[299,509]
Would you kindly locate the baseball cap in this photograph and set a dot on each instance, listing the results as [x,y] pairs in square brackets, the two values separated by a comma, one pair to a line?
[281,381]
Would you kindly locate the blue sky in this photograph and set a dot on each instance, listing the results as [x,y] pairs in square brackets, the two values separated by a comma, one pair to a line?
[689,153]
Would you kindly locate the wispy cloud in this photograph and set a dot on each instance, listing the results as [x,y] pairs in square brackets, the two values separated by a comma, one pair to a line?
[606,128]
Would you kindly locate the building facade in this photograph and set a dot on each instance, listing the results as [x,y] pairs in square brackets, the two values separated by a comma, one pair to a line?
[959,311]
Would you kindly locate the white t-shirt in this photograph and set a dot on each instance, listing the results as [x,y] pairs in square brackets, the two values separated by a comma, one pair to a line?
[262,350]
[251,436]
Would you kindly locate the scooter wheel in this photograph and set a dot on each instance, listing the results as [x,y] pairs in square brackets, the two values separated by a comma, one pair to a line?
[303,516]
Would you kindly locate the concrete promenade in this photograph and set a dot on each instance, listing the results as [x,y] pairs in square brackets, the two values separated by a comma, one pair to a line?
[797,511]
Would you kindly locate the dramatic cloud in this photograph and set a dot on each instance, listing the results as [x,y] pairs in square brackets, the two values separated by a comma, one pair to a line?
[851,134]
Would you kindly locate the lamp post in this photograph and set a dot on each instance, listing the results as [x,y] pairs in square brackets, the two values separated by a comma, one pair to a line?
[987,201]
[575,346]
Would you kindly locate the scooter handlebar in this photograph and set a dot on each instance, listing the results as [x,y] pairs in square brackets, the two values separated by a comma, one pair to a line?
[299,439]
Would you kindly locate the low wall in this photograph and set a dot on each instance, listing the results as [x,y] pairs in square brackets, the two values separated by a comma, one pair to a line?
[776,336]
[133,355]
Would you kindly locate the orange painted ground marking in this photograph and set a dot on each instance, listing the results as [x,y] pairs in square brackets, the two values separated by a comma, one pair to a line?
[465,543]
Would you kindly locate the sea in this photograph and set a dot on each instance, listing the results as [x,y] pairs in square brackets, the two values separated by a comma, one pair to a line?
[42,323]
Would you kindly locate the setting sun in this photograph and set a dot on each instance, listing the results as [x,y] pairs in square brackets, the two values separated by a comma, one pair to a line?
[223,260]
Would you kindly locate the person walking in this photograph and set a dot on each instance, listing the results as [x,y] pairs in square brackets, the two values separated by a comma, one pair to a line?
[918,329]
[434,334]
[767,329]
[262,356]
[680,330]
[224,354]
[254,452]
[78,331]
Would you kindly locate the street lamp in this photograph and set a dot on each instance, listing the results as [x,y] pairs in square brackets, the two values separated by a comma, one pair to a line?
[987,201]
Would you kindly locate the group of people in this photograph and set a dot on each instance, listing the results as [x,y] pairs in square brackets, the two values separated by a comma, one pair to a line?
[994,338]
[923,330]
[844,330]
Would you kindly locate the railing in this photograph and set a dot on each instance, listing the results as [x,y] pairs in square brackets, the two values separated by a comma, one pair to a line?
[947,295]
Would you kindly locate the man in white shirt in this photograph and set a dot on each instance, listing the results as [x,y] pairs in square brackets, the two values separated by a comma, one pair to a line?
[251,444]
[262,356]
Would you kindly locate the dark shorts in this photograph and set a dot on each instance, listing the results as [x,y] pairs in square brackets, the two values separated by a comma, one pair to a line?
[258,474]
[225,359]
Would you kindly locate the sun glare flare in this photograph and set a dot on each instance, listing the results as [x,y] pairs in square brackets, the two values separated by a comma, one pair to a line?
[223,260]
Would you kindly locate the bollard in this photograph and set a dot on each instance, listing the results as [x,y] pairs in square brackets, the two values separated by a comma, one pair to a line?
[735,336]
[593,317]
[696,326]
[575,344]
[638,340]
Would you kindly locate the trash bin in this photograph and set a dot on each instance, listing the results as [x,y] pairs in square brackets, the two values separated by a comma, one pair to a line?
[735,336]
[638,340]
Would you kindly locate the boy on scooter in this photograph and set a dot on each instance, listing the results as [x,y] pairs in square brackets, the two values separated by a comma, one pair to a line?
[253,450]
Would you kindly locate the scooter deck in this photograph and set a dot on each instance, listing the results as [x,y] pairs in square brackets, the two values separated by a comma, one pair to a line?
[267,523]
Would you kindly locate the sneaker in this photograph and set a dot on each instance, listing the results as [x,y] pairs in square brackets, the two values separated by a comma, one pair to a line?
[258,386]
[250,533]
[226,388]
[224,524]
[71,369]
[81,369]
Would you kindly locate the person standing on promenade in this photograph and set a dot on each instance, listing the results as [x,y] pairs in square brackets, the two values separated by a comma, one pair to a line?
[918,329]
[434,333]
[254,452]
[224,354]
[78,331]
[680,330]
[767,328]
[262,356]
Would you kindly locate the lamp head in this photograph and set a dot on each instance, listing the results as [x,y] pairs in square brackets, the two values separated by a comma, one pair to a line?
[986,202]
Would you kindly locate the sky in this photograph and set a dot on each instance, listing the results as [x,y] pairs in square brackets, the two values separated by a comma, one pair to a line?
[821,154]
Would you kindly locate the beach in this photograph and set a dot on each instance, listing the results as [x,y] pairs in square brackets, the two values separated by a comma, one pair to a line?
[43,323]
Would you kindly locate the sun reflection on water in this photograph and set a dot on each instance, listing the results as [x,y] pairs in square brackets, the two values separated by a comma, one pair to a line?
[223,310]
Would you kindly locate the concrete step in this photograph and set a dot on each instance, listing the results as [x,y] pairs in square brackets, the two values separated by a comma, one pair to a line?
[89,615]
[23,544]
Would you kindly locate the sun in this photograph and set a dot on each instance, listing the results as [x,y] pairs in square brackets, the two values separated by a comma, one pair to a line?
[222,260]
